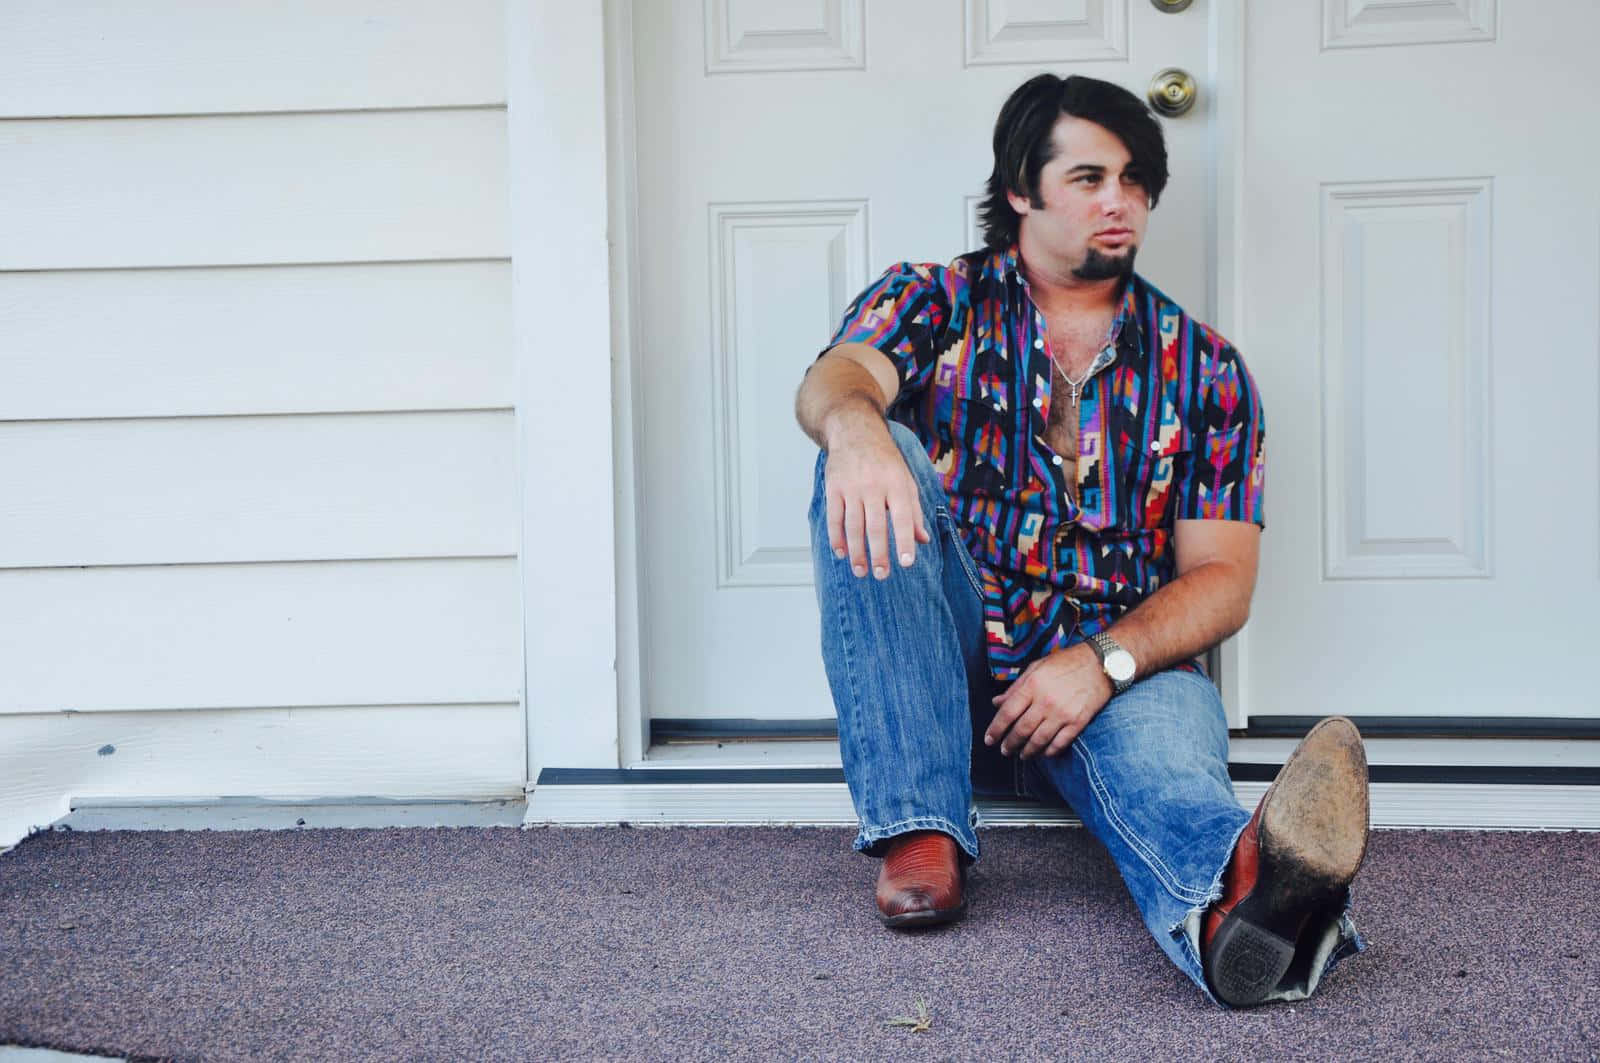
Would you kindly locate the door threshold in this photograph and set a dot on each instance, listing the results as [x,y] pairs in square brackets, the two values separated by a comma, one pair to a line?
[1419,753]
[1443,797]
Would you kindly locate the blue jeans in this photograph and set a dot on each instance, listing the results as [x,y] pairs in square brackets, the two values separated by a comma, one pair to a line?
[907,664]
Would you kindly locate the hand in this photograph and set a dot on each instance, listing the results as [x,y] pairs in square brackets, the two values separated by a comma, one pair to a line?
[869,489]
[1050,703]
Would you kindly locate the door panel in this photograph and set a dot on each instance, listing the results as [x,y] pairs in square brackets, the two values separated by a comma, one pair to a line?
[1421,266]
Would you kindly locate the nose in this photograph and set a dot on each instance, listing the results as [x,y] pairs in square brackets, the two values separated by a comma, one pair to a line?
[1116,198]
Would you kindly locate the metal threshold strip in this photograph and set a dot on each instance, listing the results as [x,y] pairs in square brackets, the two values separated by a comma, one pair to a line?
[728,729]
[1542,797]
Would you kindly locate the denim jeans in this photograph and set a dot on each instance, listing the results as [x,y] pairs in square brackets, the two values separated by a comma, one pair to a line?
[907,666]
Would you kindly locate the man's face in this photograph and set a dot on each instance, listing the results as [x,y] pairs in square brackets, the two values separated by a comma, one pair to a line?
[1089,210]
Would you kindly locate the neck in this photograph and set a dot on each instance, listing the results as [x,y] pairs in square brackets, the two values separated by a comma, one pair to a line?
[1061,291]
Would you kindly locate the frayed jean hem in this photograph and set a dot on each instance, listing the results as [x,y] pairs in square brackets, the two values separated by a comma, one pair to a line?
[873,841]
[1338,941]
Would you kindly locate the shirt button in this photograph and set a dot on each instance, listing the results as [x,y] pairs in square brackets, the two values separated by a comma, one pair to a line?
[1039,343]
[1037,402]
[1155,444]
[997,406]
[1055,459]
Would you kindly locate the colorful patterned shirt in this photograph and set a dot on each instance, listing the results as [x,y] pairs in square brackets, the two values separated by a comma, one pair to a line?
[1169,428]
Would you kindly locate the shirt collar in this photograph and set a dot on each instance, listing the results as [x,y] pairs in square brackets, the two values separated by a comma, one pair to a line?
[1010,268]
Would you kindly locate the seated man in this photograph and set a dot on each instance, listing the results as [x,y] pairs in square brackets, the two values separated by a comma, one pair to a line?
[1081,465]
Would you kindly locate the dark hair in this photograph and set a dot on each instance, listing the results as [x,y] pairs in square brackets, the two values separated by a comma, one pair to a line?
[1022,143]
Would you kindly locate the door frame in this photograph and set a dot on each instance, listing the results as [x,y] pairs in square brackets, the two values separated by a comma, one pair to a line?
[570,121]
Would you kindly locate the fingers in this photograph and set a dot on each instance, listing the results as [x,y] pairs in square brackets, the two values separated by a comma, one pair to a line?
[1043,736]
[906,526]
[1015,704]
[1022,732]
[1058,745]
[867,500]
[923,535]
[878,539]
[855,534]
[863,526]
[836,536]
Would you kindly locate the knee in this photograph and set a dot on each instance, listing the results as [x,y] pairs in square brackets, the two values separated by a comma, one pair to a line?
[911,449]
[929,484]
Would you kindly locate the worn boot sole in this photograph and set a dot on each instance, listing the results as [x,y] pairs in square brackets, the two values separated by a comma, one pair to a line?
[926,917]
[1313,836]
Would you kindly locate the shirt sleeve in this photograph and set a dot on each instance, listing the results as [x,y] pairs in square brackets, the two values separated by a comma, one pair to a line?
[1226,477]
[902,314]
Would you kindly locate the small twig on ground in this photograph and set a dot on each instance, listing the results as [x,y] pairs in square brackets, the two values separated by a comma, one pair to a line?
[920,1024]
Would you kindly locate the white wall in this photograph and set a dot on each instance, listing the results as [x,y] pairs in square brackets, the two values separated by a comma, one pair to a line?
[258,503]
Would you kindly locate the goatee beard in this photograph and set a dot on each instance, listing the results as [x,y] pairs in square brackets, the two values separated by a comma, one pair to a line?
[1102,267]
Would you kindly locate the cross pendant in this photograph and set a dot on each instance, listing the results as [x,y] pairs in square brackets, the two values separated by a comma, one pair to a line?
[1074,388]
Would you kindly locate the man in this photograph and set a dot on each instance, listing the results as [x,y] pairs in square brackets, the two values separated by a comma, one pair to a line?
[1039,501]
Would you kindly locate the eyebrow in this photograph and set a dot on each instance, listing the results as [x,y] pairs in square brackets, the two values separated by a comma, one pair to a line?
[1094,167]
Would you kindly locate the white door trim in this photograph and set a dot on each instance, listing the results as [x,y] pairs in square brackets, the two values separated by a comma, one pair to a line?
[562,307]
[1227,89]
[623,215]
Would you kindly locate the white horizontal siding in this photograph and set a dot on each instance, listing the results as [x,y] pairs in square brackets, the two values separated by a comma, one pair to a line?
[165,491]
[179,56]
[238,636]
[274,339]
[258,502]
[253,189]
[47,761]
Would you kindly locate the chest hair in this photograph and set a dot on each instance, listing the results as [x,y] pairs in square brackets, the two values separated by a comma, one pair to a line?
[1075,345]
[1061,432]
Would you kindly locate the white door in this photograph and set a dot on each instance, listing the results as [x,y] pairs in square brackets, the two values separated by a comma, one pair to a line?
[786,154]
[1420,282]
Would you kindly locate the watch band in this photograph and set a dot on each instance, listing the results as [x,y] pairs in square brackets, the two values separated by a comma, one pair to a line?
[1104,645]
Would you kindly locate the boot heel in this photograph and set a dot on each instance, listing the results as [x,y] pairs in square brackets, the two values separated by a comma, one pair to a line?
[1247,962]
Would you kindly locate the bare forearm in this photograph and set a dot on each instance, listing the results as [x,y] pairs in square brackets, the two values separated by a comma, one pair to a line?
[1188,616]
[837,393]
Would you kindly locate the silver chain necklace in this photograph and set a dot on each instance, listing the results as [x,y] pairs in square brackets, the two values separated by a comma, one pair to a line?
[1075,385]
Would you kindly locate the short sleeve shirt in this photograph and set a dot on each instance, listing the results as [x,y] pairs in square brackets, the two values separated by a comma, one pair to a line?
[1170,428]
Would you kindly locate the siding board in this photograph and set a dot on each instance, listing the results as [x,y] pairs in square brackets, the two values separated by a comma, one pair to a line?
[246,636]
[219,489]
[276,339]
[253,189]
[182,57]
[48,760]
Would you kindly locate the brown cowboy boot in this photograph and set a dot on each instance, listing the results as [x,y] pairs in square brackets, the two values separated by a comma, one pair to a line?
[920,881]
[1294,860]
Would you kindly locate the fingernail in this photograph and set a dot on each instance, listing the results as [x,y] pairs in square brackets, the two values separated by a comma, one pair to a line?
[861,570]
[839,554]
[880,572]
[988,741]
[905,559]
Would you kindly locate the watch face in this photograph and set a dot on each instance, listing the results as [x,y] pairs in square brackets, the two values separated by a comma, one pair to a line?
[1119,665]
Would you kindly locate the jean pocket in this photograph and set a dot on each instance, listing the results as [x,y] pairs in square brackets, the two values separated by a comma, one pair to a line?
[947,526]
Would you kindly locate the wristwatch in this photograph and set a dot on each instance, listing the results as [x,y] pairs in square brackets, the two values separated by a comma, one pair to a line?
[1116,661]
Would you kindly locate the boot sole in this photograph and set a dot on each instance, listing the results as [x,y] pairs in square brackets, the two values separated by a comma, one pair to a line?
[925,918]
[1313,837]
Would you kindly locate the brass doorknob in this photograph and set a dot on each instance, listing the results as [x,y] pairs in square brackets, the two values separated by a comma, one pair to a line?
[1171,7]
[1172,92]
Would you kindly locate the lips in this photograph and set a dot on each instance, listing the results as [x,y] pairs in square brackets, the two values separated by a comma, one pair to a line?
[1114,233]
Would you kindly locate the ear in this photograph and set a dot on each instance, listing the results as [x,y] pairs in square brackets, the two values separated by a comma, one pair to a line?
[1018,203]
